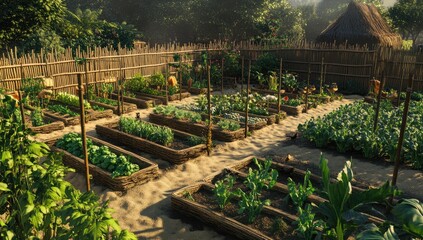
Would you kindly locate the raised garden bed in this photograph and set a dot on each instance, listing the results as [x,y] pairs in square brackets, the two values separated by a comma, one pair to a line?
[251,126]
[50,125]
[196,128]
[266,91]
[148,170]
[177,154]
[291,110]
[140,101]
[197,91]
[271,118]
[322,99]
[197,201]
[174,97]
[127,107]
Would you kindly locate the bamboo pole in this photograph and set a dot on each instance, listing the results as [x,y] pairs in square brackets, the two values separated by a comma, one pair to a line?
[278,120]
[402,131]
[120,83]
[242,74]
[221,81]
[86,79]
[321,77]
[83,132]
[21,108]
[180,78]
[248,99]
[209,130]
[308,88]
[166,87]
[379,97]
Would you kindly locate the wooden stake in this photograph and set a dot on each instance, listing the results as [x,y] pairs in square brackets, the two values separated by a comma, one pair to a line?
[248,99]
[321,77]
[86,79]
[209,132]
[221,81]
[379,97]
[308,88]
[166,87]
[278,120]
[401,83]
[242,74]
[120,110]
[180,78]
[83,133]
[20,99]
[402,131]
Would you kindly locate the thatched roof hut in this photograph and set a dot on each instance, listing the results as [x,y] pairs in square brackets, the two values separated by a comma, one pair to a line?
[360,24]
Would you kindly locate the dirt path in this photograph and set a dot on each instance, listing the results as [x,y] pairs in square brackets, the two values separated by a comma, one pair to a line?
[146,210]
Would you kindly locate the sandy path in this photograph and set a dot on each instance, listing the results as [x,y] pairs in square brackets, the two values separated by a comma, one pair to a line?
[146,211]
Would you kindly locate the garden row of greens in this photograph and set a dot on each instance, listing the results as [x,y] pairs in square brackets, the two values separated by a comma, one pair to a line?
[36,201]
[100,156]
[331,220]
[351,128]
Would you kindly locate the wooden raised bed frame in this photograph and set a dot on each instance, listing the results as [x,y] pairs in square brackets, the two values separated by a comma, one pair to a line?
[49,127]
[127,107]
[111,132]
[173,97]
[196,128]
[148,170]
[140,101]
[216,219]
[90,115]
[291,110]
[271,119]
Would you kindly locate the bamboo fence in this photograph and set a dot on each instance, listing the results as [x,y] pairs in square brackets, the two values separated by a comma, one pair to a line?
[350,67]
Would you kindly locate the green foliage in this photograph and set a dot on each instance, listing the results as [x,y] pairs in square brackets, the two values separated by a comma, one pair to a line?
[306,223]
[263,178]
[177,113]
[299,193]
[224,191]
[107,101]
[409,214]
[100,156]
[195,140]
[265,64]
[21,18]
[340,211]
[35,200]
[273,81]
[407,16]
[136,84]
[158,134]
[37,117]
[351,127]
[228,125]
[294,102]
[31,88]
[289,81]
[373,232]
[158,79]
[63,110]
[251,204]
[71,100]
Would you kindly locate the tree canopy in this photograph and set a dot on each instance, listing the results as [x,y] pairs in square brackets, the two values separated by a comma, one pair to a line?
[407,16]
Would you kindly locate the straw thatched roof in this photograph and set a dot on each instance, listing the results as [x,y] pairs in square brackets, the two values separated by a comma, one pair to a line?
[360,24]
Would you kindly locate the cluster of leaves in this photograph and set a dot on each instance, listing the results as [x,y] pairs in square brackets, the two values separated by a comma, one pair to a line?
[196,140]
[142,84]
[239,118]
[177,113]
[294,102]
[71,100]
[63,110]
[250,202]
[31,87]
[100,156]
[37,117]
[289,81]
[35,200]
[228,125]
[417,96]
[107,101]
[351,128]
[158,134]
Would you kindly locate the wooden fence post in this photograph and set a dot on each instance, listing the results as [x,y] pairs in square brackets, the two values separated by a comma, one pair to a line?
[83,132]
[278,120]
[379,97]
[209,129]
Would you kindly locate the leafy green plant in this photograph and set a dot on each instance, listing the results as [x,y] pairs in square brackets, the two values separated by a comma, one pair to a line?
[306,224]
[340,211]
[251,204]
[299,193]
[107,101]
[228,125]
[157,79]
[264,177]
[290,81]
[173,90]
[409,214]
[31,87]
[158,134]
[100,156]
[273,81]
[35,199]
[63,110]
[177,113]
[71,100]
[223,191]
[195,140]
[37,117]
[137,83]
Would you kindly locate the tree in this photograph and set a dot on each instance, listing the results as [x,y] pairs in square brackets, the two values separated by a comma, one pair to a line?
[20,18]
[407,16]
